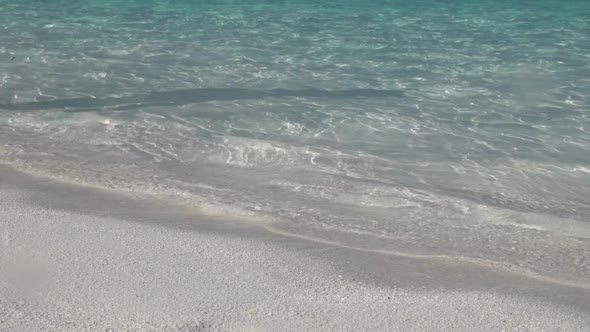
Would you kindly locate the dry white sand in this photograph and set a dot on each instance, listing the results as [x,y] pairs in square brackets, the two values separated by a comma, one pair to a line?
[65,271]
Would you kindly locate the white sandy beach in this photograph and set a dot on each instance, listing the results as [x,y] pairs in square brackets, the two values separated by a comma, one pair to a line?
[69,271]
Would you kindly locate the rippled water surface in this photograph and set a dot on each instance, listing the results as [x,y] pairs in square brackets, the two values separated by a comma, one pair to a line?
[455,127]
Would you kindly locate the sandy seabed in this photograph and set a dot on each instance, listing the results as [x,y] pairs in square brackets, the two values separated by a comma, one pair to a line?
[107,264]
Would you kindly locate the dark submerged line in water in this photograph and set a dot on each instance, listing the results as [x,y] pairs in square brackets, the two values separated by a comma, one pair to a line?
[190,96]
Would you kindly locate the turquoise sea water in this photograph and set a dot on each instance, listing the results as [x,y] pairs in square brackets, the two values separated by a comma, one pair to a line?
[455,127]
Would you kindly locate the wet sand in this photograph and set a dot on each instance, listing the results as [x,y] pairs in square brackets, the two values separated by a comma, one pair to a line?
[75,258]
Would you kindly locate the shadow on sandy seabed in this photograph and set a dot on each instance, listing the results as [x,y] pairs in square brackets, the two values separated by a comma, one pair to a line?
[190,96]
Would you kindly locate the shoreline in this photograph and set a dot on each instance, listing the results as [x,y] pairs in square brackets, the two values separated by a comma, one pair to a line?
[350,266]
[152,208]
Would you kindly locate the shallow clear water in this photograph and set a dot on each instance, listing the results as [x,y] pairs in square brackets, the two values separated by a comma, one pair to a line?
[457,127]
